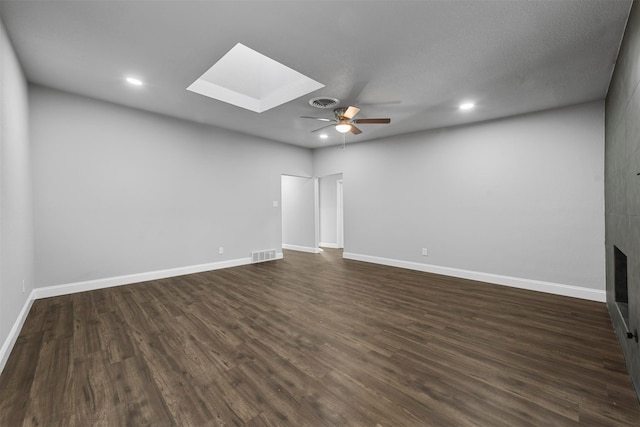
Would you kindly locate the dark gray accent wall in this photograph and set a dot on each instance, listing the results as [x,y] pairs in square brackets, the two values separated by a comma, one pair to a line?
[622,188]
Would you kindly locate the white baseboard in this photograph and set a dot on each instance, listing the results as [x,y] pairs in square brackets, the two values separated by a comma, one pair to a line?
[514,282]
[301,248]
[90,285]
[8,344]
[329,245]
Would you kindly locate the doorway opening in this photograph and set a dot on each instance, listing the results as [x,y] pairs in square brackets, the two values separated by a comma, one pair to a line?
[331,211]
[340,214]
[298,207]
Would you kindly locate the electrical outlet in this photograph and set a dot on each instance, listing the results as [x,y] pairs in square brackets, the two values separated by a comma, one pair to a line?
[425,252]
[220,250]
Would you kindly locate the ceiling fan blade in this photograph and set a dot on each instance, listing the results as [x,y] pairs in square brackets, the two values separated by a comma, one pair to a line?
[351,112]
[323,127]
[374,104]
[317,118]
[372,121]
[354,130]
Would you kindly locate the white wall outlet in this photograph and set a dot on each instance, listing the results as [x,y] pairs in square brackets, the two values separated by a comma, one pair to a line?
[221,250]
[425,252]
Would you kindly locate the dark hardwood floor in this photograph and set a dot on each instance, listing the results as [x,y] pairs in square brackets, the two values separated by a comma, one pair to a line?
[315,340]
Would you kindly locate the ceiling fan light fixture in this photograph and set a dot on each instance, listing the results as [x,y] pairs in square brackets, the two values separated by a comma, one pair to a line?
[344,120]
[343,127]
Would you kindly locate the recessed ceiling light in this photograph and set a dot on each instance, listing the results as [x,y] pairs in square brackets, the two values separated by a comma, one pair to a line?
[466,106]
[134,81]
[324,136]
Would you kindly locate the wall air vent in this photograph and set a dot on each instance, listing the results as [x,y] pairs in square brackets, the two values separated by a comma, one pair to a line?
[323,102]
[261,256]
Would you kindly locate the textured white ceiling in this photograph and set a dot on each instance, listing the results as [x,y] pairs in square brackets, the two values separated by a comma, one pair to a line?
[412,61]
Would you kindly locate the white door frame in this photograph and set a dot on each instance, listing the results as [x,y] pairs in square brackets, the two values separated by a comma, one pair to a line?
[340,214]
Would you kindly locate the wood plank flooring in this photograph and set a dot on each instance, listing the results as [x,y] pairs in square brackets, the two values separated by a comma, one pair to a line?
[315,340]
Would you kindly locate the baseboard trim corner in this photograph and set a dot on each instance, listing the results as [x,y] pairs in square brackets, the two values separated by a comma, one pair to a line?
[496,279]
[8,344]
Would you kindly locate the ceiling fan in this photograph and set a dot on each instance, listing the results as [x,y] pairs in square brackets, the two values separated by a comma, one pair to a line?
[344,120]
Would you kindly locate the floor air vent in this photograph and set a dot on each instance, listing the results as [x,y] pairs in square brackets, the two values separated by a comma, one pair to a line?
[261,256]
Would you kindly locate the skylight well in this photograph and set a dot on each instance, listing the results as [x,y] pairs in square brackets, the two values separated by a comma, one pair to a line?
[251,80]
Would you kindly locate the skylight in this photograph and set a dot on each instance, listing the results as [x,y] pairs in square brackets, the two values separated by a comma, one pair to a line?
[251,80]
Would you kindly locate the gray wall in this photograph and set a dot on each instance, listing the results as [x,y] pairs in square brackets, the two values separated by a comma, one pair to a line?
[298,212]
[16,220]
[622,192]
[119,191]
[521,197]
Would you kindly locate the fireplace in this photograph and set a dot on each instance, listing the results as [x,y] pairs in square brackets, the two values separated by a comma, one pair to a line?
[620,283]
